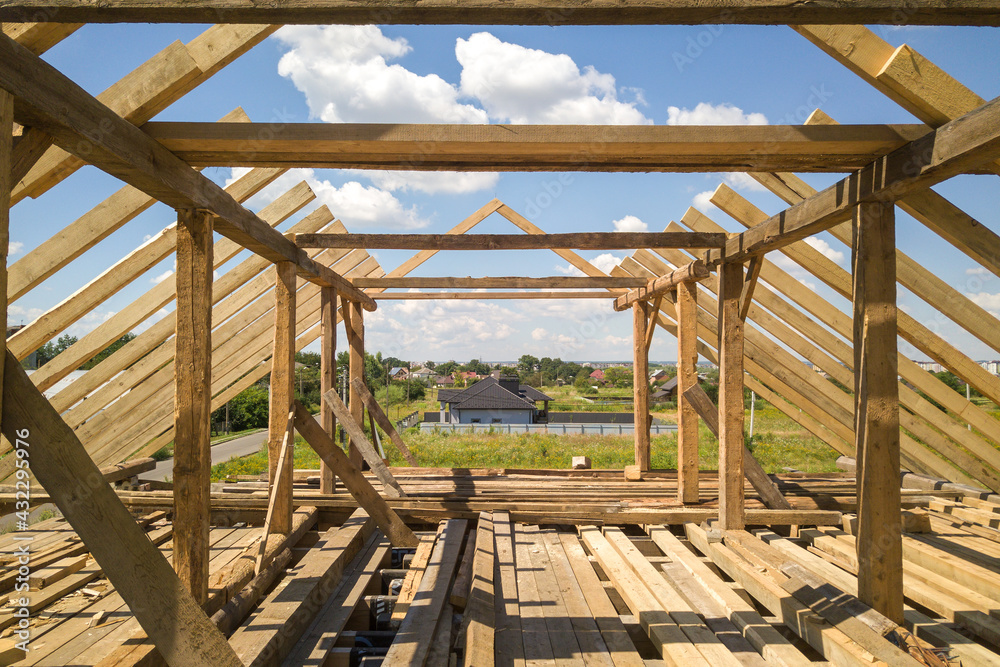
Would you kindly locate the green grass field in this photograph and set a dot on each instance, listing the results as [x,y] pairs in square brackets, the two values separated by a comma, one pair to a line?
[778,442]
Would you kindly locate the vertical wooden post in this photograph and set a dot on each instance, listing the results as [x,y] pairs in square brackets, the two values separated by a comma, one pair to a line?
[193,401]
[640,383]
[731,498]
[282,390]
[328,375]
[687,377]
[6,163]
[354,323]
[876,402]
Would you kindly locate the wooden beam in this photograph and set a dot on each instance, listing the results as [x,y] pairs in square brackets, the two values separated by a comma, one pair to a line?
[193,401]
[505,282]
[282,389]
[357,434]
[578,241]
[688,463]
[651,324]
[880,551]
[355,482]
[282,485]
[493,296]
[463,147]
[48,100]
[143,93]
[749,284]
[515,12]
[640,384]
[327,376]
[731,446]
[39,37]
[354,324]
[692,272]
[164,608]
[955,148]
[912,374]
[761,482]
[375,412]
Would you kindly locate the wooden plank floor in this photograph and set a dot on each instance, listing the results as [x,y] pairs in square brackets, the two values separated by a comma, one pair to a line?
[582,596]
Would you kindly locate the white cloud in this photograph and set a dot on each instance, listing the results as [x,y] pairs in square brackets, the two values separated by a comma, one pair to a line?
[345,74]
[539,334]
[604,262]
[978,271]
[366,206]
[703,201]
[516,84]
[824,248]
[990,302]
[432,182]
[357,205]
[708,114]
[741,181]
[630,223]
[14,248]
[156,280]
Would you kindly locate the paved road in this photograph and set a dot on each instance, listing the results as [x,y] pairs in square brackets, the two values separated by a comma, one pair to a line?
[247,444]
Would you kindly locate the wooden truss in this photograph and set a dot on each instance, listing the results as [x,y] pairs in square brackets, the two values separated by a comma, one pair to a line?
[721,296]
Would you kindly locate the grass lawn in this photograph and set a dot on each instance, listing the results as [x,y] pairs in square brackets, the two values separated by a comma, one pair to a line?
[778,442]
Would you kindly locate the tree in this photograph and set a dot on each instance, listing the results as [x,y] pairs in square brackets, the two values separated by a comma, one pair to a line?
[583,381]
[429,365]
[247,410]
[618,377]
[50,350]
[311,359]
[527,363]
[108,351]
[447,368]
[477,367]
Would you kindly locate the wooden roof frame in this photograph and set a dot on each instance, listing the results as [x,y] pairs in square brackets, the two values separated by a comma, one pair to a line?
[965,139]
[515,12]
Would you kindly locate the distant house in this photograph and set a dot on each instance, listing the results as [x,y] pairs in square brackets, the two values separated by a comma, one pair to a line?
[399,372]
[469,375]
[657,376]
[443,381]
[667,392]
[422,373]
[597,375]
[494,401]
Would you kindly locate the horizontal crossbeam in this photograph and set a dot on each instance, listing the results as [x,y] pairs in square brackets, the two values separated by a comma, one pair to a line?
[509,12]
[657,287]
[822,148]
[513,282]
[577,241]
[486,296]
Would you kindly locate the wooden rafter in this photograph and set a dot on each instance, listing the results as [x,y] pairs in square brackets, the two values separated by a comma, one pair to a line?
[577,241]
[149,89]
[515,12]
[534,147]
[834,357]
[955,148]
[46,99]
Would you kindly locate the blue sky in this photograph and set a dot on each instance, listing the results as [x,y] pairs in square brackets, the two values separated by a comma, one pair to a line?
[697,75]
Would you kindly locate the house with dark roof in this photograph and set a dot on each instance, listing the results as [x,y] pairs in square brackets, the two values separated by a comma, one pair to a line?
[494,401]
[667,392]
